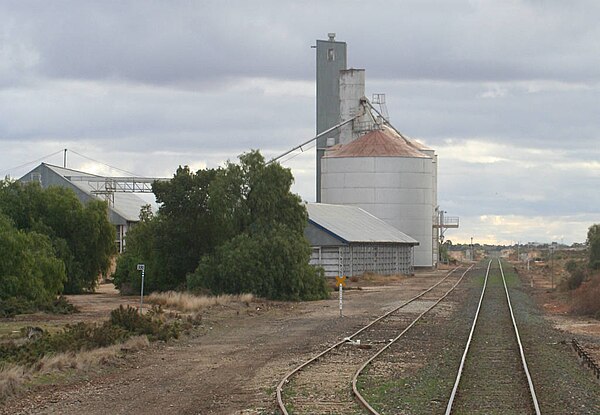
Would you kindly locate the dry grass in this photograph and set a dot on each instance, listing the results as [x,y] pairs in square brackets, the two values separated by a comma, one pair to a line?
[187,302]
[13,377]
[368,279]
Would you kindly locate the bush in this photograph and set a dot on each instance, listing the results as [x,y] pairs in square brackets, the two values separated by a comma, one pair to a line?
[585,298]
[131,320]
[271,264]
[123,323]
[12,306]
[19,305]
[577,274]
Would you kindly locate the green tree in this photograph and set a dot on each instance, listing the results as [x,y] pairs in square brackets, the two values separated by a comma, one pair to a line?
[267,254]
[28,268]
[234,229]
[593,242]
[82,236]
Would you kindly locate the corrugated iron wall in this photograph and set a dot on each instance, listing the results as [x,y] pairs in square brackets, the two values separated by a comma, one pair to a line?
[356,259]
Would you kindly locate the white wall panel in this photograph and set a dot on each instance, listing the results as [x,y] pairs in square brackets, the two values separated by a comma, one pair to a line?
[398,190]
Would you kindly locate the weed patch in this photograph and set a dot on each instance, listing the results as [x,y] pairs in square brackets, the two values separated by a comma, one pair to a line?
[187,302]
[123,323]
[12,306]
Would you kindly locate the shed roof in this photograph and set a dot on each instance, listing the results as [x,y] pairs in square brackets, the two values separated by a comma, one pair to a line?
[377,143]
[353,224]
[127,205]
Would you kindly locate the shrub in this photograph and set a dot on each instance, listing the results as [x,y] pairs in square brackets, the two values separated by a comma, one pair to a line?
[272,264]
[123,323]
[131,320]
[577,274]
[12,306]
[585,298]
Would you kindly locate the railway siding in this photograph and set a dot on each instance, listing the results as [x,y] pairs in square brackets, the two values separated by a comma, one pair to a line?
[323,384]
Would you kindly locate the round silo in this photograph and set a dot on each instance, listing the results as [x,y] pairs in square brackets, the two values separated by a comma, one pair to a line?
[388,177]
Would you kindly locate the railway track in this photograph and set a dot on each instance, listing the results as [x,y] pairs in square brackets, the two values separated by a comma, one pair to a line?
[323,384]
[493,377]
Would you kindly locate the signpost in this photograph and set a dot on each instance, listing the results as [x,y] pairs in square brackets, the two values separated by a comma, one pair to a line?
[340,282]
[141,267]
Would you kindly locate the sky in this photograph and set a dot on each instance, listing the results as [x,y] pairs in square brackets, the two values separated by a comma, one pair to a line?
[506,92]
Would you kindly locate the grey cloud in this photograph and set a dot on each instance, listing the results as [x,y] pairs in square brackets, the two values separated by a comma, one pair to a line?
[561,119]
[155,42]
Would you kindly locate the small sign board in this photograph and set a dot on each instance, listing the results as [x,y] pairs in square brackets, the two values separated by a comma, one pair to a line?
[141,267]
[340,281]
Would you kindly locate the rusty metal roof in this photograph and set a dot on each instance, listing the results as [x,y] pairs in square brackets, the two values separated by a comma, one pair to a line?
[378,143]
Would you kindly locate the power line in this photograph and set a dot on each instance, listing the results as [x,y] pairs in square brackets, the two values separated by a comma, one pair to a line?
[2,172]
[104,164]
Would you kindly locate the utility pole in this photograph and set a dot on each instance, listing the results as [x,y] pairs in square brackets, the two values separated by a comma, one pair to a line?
[472,250]
[65,159]
[552,265]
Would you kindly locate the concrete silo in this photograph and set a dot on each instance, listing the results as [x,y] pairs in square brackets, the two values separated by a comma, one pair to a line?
[389,177]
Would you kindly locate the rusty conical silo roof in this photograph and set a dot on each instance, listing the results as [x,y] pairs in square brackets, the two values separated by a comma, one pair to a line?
[378,143]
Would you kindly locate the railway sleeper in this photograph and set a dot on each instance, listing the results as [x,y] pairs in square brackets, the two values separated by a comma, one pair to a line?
[585,359]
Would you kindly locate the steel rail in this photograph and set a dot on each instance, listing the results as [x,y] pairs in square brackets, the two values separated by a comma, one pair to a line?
[464,356]
[313,359]
[521,352]
[524,363]
[357,394]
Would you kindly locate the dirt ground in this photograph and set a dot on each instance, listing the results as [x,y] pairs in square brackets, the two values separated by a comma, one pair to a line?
[555,305]
[231,364]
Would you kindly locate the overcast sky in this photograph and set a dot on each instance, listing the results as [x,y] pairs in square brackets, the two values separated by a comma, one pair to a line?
[507,92]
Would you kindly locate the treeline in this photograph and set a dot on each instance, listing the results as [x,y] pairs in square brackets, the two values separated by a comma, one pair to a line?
[50,243]
[236,229]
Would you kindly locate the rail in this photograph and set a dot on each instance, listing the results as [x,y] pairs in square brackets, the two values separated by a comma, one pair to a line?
[357,394]
[338,344]
[522,354]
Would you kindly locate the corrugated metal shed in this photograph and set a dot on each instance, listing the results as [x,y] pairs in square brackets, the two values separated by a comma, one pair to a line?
[353,224]
[126,205]
[122,213]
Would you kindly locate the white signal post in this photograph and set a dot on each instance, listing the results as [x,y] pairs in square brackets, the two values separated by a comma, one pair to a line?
[340,282]
[141,267]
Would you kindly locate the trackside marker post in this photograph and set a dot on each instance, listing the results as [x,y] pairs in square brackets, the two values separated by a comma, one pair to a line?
[340,282]
[141,267]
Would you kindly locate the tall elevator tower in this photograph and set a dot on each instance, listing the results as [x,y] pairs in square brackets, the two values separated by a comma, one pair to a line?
[331,59]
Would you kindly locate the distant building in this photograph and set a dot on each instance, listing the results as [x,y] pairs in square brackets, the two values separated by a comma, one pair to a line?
[123,209]
[347,240]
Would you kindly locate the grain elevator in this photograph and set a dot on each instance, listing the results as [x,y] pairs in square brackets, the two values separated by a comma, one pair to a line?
[367,162]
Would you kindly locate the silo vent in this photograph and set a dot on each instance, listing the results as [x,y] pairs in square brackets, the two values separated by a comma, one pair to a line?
[330,141]
[331,37]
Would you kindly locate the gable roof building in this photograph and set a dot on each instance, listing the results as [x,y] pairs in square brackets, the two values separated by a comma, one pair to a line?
[347,240]
[123,209]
